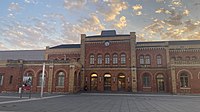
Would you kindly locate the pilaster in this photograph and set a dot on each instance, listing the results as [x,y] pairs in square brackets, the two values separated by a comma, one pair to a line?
[173,76]
[71,78]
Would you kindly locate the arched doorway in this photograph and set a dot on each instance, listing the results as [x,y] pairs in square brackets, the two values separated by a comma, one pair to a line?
[107,82]
[121,82]
[93,82]
[160,83]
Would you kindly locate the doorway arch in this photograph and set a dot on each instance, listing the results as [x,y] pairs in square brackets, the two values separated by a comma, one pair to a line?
[160,83]
[121,83]
[107,82]
[94,82]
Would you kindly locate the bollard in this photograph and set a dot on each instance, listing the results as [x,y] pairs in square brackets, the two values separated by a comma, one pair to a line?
[20,92]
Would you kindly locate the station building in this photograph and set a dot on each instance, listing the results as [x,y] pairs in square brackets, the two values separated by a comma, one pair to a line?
[109,62]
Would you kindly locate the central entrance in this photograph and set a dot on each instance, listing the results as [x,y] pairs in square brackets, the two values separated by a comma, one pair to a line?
[160,83]
[107,82]
[121,82]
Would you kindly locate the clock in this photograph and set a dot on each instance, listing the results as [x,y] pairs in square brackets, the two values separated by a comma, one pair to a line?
[107,43]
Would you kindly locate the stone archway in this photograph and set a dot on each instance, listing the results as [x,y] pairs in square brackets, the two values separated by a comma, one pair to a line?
[107,82]
[160,82]
[93,82]
[121,82]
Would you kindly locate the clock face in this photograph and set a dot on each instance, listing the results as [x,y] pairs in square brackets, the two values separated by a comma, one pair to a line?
[107,43]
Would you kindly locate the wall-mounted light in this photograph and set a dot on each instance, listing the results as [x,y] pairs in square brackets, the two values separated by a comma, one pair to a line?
[99,79]
[128,80]
[114,79]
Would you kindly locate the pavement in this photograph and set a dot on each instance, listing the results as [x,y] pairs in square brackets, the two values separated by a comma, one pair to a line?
[100,102]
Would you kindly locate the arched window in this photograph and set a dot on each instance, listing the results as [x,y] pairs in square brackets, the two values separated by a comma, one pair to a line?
[194,57]
[147,60]
[92,59]
[146,80]
[159,59]
[187,58]
[99,59]
[11,79]
[179,58]
[61,78]
[107,59]
[123,58]
[184,80]
[114,58]
[40,79]
[141,59]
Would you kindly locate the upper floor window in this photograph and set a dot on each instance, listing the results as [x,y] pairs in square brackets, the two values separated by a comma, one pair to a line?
[99,59]
[1,79]
[141,59]
[123,58]
[187,58]
[92,59]
[114,58]
[179,58]
[159,59]
[184,80]
[194,57]
[107,59]
[61,78]
[147,59]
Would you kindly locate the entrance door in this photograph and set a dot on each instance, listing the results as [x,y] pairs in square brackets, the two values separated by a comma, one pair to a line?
[93,82]
[107,82]
[160,83]
[121,82]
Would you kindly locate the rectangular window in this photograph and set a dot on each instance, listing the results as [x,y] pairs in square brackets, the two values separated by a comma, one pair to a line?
[1,79]
[91,59]
[147,60]
[123,59]
[107,59]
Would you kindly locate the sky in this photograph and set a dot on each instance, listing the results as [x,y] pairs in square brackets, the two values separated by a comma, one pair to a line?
[35,24]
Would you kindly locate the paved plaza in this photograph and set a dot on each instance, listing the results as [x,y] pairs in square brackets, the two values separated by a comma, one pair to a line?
[100,102]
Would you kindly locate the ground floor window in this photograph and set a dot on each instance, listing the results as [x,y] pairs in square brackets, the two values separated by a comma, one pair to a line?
[61,78]
[1,79]
[146,80]
[184,80]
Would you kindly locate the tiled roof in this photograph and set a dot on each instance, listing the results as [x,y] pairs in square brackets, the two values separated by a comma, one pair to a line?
[66,46]
[22,54]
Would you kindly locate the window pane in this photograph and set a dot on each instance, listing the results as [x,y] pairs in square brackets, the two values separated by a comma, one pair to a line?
[123,58]
[115,59]
[147,60]
[91,59]
[141,59]
[184,80]
[61,78]
[40,79]
[107,59]
[159,60]
[1,79]
[146,81]
[99,60]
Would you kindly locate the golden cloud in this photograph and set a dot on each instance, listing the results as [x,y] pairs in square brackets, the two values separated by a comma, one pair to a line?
[122,23]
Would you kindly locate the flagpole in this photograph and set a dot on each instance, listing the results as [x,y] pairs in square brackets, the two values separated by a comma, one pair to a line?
[42,83]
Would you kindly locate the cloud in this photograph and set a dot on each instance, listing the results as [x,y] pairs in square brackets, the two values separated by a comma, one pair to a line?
[137,7]
[110,9]
[14,7]
[87,25]
[122,23]
[74,4]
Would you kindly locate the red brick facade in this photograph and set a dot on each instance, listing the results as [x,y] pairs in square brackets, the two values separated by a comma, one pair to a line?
[111,62]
